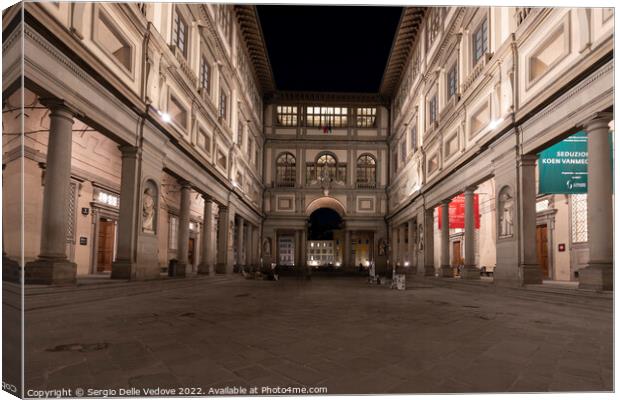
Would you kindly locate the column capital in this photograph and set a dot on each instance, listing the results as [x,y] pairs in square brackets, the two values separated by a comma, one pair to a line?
[527,159]
[58,106]
[207,198]
[470,189]
[598,121]
[446,201]
[184,184]
[129,150]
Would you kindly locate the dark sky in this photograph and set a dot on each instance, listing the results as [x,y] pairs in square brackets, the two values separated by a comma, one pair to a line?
[329,48]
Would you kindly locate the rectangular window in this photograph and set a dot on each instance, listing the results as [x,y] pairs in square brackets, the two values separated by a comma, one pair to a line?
[223,104]
[205,74]
[326,117]
[452,81]
[579,218]
[179,32]
[286,115]
[240,134]
[108,36]
[221,159]
[204,141]
[479,39]
[432,109]
[366,117]
[403,150]
[414,135]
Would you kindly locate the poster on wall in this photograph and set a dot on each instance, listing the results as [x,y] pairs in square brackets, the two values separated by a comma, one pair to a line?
[456,213]
[563,167]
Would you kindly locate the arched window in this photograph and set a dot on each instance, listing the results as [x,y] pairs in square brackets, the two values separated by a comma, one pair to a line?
[366,171]
[285,170]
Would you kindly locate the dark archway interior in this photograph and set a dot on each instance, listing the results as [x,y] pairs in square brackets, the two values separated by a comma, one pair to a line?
[322,224]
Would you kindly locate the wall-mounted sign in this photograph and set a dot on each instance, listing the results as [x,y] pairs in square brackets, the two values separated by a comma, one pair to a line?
[85,210]
[563,167]
[456,213]
[561,247]
[83,240]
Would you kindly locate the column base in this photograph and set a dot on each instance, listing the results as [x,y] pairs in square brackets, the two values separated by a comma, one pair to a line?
[50,272]
[123,270]
[205,269]
[470,272]
[181,270]
[429,270]
[11,271]
[530,274]
[597,277]
[222,268]
[447,271]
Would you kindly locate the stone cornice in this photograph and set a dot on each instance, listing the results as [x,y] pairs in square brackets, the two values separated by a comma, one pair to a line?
[406,36]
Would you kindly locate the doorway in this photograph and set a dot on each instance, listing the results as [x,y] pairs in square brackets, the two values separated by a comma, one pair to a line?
[191,251]
[106,237]
[456,257]
[542,250]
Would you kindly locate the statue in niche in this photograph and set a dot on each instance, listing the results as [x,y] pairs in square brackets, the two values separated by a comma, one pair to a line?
[148,211]
[267,247]
[382,247]
[506,206]
[326,180]
[420,237]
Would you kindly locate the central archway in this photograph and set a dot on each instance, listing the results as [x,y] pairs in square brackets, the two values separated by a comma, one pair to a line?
[326,202]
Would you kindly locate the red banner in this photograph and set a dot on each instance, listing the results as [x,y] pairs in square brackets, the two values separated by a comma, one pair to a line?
[456,213]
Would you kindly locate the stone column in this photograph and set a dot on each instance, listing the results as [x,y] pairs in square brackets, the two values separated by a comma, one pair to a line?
[52,265]
[429,242]
[224,262]
[411,250]
[402,234]
[304,249]
[529,270]
[183,236]
[239,243]
[347,250]
[248,245]
[598,275]
[206,252]
[393,250]
[469,269]
[446,269]
[297,252]
[125,265]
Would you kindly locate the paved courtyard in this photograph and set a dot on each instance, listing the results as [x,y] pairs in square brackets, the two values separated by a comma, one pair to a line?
[338,333]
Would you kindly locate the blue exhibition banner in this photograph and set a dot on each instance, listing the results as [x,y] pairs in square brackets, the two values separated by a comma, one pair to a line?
[563,167]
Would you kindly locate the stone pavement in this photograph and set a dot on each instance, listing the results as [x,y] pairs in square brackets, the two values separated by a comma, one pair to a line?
[336,333]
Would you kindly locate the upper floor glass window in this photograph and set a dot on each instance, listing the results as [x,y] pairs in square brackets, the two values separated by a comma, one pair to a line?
[366,171]
[286,115]
[223,104]
[335,117]
[205,74]
[414,136]
[452,81]
[480,39]
[366,117]
[285,170]
[432,109]
[179,32]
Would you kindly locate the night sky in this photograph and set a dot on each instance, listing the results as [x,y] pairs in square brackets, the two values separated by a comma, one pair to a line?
[329,48]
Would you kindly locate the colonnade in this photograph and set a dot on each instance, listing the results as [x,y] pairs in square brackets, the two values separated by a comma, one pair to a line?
[597,275]
[136,238]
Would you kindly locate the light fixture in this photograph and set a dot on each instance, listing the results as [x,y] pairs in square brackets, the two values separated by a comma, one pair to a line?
[164,116]
[235,184]
[495,123]
[406,263]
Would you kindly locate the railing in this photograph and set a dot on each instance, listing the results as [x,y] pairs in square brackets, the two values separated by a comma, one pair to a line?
[366,185]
